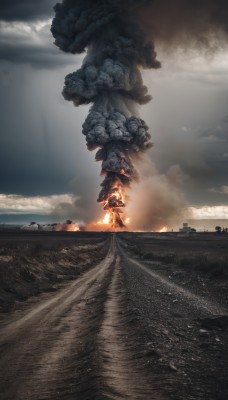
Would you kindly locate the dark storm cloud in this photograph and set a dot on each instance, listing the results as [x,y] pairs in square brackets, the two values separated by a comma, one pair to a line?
[26,10]
[38,155]
[213,145]
[25,34]
[30,44]
[217,162]
[28,171]
[37,57]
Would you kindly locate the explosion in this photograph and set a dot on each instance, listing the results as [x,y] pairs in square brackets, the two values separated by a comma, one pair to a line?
[110,78]
[117,37]
[113,206]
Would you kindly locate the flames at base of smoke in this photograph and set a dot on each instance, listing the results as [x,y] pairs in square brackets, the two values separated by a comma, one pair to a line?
[107,224]
[113,201]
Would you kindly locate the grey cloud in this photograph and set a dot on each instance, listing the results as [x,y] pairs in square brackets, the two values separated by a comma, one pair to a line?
[26,10]
[25,44]
[29,169]
[37,57]
[217,133]
[223,190]
[38,155]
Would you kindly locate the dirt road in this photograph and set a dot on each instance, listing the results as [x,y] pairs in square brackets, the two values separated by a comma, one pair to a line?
[119,331]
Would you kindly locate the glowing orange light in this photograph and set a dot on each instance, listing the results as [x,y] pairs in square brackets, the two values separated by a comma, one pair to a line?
[106,219]
[71,228]
[163,229]
[113,204]
[67,228]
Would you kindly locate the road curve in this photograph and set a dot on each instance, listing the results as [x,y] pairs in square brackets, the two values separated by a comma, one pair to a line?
[107,335]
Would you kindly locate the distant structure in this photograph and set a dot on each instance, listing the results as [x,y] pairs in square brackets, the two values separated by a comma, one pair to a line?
[33,226]
[67,226]
[186,228]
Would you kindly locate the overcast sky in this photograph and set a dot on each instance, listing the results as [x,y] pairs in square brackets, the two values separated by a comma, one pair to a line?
[42,150]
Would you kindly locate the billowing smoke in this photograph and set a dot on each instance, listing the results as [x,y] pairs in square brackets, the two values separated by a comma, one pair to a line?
[118,36]
[110,78]
[157,200]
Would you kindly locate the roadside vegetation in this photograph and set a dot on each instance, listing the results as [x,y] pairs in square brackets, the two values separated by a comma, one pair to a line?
[27,269]
[213,265]
[199,262]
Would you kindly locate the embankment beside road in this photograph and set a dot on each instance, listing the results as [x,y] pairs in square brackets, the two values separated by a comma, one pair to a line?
[29,267]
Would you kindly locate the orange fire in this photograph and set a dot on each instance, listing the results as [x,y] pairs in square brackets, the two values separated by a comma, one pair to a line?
[106,219]
[163,229]
[67,227]
[72,228]
[112,220]
[112,205]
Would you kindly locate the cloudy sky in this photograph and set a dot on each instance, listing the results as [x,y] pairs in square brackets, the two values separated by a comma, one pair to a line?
[45,166]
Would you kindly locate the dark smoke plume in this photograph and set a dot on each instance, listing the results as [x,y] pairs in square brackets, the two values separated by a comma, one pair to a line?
[118,36]
[110,78]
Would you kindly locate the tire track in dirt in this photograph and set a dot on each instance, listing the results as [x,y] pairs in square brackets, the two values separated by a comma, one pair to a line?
[77,345]
[123,369]
[32,348]
[76,374]
[101,363]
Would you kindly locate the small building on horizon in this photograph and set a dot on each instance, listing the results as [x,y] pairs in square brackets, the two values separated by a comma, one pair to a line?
[186,228]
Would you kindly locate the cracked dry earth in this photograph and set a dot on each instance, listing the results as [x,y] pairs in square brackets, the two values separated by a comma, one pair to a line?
[112,334]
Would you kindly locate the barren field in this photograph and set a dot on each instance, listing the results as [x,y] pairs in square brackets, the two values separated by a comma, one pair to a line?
[113,316]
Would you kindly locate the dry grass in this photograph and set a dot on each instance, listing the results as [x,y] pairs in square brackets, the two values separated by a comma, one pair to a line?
[29,268]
